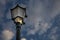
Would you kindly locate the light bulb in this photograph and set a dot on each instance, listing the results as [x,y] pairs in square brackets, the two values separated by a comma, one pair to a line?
[19,20]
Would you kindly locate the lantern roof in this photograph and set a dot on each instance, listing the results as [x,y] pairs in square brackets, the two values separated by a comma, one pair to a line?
[19,7]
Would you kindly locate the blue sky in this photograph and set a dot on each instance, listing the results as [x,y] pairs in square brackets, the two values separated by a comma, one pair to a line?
[43,22]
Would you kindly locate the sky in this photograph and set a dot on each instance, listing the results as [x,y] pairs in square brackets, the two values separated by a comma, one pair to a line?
[42,23]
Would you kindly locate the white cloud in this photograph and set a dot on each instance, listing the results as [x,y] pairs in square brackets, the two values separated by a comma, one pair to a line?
[53,35]
[43,12]
[8,30]
[7,34]
[39,25]
[23,38]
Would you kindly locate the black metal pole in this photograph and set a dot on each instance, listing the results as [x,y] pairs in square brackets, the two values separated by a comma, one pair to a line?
[18,33]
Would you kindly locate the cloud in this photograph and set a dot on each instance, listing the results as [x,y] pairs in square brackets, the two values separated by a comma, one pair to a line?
[39,27]
[43,12]
[23,38]
[53,35]
[4,2]
[38,15]
[7,34]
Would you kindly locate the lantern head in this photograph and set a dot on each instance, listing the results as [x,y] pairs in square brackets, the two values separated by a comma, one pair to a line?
[18,14]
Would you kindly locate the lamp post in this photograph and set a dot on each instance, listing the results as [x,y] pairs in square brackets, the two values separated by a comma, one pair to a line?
[18,14]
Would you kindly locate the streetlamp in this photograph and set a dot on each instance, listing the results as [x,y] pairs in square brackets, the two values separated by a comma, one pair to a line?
[18,14]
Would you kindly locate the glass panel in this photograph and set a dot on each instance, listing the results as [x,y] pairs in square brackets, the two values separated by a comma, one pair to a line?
[18,12]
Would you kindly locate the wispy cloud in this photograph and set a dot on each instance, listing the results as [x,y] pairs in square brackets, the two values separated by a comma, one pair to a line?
[43,12]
